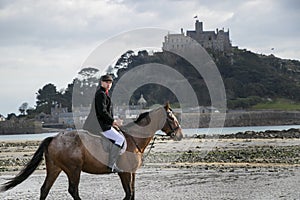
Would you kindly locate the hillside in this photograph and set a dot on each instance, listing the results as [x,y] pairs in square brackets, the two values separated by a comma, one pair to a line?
[249,78]
[252,74]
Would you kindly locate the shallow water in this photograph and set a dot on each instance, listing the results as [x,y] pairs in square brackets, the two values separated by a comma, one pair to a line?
[186,132]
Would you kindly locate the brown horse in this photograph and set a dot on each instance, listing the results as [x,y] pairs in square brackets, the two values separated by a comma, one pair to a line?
[76,151]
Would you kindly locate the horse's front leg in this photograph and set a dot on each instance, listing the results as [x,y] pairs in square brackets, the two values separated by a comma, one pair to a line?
[128,180]
[132,185]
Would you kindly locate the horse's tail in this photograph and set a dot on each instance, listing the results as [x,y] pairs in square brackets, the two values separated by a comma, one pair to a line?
[29,168]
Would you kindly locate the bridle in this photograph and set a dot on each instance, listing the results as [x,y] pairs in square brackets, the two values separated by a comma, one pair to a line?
[172,131]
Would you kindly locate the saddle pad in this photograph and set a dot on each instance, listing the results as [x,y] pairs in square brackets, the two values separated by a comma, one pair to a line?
[106,143]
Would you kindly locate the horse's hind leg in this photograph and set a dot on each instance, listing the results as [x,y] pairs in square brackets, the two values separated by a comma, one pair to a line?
[74,177]
[52,173]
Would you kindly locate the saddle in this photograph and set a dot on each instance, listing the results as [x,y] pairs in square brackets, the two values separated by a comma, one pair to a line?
[107,144]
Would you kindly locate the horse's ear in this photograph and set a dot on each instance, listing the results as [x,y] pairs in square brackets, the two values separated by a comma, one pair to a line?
[167,106]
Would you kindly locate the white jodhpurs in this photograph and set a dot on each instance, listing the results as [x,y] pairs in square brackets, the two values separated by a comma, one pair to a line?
[114,135]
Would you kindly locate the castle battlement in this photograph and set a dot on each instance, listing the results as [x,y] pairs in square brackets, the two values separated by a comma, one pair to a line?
[210,40]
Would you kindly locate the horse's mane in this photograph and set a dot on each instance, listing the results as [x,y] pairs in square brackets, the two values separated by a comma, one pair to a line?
[142,120]
[140,117]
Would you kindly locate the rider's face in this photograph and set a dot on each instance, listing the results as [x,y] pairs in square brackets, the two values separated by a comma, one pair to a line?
[106,84]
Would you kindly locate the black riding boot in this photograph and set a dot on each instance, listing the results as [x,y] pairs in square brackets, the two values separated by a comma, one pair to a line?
[113,157]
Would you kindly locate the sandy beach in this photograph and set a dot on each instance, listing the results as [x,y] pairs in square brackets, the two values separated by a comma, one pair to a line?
[194,168]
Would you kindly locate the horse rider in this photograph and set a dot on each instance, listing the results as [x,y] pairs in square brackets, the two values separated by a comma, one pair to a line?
[103,111]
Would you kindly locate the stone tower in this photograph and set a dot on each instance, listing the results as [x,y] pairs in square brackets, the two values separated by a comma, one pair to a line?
[213,40]
[217,41]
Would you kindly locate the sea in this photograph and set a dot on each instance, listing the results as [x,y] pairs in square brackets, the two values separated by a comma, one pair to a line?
[186,132]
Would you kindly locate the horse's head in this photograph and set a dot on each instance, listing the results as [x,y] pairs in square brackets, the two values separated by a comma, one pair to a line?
[172,127]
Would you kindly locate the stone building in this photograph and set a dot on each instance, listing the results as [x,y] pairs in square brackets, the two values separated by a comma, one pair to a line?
[2,118]
[176,41]
[56,111]
[142,102]
[218,41]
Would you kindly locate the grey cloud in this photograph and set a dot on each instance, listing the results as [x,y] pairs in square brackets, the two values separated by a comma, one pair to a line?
[49,23]
[291,5]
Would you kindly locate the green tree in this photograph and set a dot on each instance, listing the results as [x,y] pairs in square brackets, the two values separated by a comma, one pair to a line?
[84,87]
[23,108]
[46,98]
[11,115]
[67,97]
[125,60]
[30,112]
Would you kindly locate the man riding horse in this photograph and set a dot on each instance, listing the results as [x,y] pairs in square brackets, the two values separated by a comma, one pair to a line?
[79,151]
[102,111]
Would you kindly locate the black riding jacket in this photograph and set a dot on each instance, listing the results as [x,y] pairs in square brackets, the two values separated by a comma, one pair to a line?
[103,109]
[100,117]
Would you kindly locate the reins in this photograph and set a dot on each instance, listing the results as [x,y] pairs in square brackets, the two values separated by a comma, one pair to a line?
[169,133]
[133,140]
[137,146]
[150,148]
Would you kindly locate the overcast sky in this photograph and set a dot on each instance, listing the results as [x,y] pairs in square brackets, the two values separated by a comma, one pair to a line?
[48,41]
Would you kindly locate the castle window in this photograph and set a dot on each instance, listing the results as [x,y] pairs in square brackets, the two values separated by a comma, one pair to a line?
[209,38]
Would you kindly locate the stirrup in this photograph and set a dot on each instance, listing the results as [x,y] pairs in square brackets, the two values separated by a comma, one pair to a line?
[115,169]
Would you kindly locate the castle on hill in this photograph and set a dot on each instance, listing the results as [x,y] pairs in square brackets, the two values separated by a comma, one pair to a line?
[216,41]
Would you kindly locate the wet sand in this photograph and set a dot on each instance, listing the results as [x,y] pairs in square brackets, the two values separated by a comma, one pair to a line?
[174,183]
[168,174]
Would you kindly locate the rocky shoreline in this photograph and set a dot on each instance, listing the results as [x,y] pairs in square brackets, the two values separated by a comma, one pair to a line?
[284,134]
[268,147]
[268,134]
[277,147]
